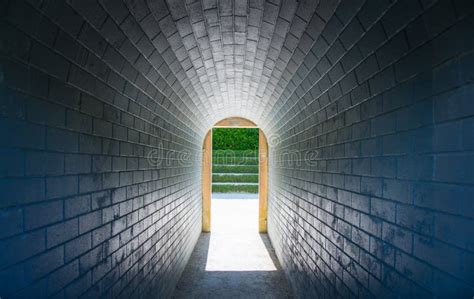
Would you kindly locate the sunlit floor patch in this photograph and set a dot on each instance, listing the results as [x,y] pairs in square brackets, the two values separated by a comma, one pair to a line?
[234,260]
[235,244]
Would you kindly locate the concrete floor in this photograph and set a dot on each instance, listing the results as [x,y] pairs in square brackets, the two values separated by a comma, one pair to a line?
[234,260]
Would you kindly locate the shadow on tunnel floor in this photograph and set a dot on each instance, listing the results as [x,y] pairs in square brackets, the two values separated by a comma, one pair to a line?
[234,260]
[199,282]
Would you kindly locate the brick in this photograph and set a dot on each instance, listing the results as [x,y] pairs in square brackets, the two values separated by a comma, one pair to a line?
[360,202]
[76,288]
[16,43]
[371,224]
[119,195]
[78,122]
[384,167]
[77,164]
[61,186]
[101,234]
[434,195]
[25,135]
[16,191]
[351,33]
[382,81]
[454,104]
[59,233]
[44,163]
[91,106]
[44,263]
[64,94]
[110,213]
[439,17]
[90,221]
[61,140]
[397,190]
[77,205]
[22,247]
[383,124]
[102,128]
[447,138]
[100,199]
[89,183]
[367,69]
[63,276]
[49,61]
[382,208]
[399,15]
[43,214]
[11,221]
[446,76]
[361,166]
[101,269]
[371,11]
[468,131]
[14,72]
[11,279]
[78,246]
[372,40]
[11,163]
[454,168]
[90,144]
[452,229]
[67,46]
[428,250]
[92,39]
[101,164]
[416,219]
[397,236]
[371,186]
[383,251]
[449,286]
[91,258]
[393,50]
[45,113]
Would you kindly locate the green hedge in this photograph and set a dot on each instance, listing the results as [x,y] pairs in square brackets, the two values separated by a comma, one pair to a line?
[235,151]
[234,139]
[251,178]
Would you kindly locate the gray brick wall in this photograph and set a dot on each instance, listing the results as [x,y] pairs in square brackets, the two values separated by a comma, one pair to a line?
[83,210]
[382,106]
[367,105]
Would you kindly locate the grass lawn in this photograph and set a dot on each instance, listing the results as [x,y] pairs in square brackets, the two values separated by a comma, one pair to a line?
[235,161]
[235,169]
[235,188]
[250,178]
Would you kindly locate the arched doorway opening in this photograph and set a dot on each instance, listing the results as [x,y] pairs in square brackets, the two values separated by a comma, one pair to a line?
[234,122]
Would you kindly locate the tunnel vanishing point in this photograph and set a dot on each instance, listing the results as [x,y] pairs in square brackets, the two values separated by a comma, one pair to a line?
[368,110]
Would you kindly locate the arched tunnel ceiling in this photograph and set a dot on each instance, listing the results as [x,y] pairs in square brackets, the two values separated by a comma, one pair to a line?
[234,58]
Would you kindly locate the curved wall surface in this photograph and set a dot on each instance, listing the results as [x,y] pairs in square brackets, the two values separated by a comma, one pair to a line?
[367,106]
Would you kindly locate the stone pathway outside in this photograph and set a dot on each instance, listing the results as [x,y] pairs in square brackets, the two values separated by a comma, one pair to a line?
[234,260]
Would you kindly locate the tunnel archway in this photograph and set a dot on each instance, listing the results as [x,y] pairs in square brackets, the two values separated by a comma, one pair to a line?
[235,122]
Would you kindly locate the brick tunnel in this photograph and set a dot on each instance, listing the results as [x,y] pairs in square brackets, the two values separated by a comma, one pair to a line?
[368,106]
